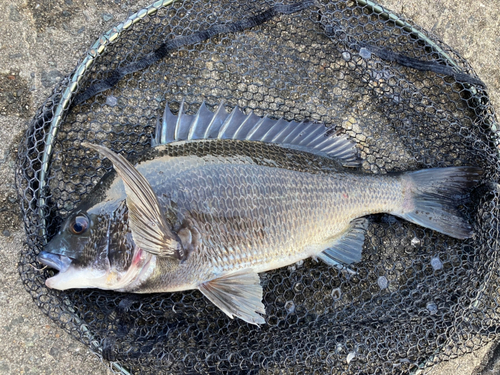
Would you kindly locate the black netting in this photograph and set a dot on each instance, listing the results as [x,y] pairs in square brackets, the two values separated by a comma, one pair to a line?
[408,101]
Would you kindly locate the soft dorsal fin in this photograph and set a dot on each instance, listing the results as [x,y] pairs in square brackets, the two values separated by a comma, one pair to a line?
[305,136]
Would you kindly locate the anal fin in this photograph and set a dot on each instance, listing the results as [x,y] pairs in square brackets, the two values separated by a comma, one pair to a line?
[346,248]
[237,294]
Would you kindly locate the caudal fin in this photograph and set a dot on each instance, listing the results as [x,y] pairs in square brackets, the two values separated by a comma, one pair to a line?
[434,195]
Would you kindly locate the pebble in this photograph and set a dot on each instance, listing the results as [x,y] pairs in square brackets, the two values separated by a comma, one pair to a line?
[364,53]
[50,78]
[6,233]
[432,307]
[107,17]
[111,101]
[14,14]
[346,56]
[4,367]
[350,357]
[382,282]
[54,352]
[14,56]
[436,264]
[336,293]
[290,307]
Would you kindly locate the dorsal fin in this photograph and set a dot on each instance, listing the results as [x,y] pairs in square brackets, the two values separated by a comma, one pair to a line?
[305,136]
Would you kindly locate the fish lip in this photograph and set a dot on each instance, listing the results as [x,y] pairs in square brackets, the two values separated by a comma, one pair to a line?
[58,262]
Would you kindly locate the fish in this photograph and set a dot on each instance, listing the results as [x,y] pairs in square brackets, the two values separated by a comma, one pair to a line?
[224,196]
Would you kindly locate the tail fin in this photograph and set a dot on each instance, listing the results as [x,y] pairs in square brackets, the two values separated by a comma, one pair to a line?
[434,196]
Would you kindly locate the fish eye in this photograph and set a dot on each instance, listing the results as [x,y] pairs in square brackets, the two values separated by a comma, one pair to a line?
[79,224]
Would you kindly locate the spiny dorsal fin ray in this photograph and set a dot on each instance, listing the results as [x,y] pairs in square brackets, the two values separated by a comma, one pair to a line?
[203,116]
[215,123]
[232,124]
[149,229]
[306,136]
[183,124]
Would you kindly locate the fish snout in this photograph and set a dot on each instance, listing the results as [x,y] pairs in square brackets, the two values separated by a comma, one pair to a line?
[58,262]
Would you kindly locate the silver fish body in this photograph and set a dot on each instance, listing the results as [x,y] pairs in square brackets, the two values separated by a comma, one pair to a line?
[214,220]
[235,216]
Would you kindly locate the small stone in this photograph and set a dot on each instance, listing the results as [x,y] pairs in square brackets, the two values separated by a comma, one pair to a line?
[4,367]
[382,282]
[350,357]
[336,293]
[298,287]
[68,2]
[365,53]
[432,307]
[16,321]
[346,56]
[54,352]
[290,307]
[6,233]
[111,101]
[415,241]
[14,14]
[50,78]
[107,17]
[436,264]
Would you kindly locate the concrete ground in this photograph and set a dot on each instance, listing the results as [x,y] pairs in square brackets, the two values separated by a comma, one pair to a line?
[42,40]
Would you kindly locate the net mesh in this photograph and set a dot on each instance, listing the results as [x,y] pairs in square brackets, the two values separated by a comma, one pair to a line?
[405,98]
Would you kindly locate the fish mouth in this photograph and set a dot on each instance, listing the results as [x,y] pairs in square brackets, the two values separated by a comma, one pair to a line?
[58,262]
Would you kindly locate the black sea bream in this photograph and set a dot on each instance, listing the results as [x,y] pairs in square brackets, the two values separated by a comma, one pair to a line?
[225,196]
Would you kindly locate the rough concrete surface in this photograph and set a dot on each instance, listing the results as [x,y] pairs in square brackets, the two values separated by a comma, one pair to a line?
[42,40]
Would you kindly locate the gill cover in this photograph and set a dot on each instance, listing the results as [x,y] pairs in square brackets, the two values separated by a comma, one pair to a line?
[149,228]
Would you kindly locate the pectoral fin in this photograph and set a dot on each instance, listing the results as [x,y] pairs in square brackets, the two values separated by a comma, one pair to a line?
[237,294]
[346,248]
[149,227]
